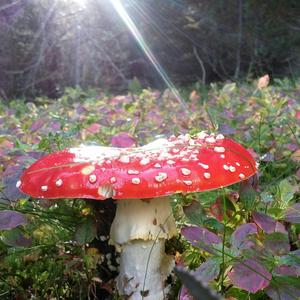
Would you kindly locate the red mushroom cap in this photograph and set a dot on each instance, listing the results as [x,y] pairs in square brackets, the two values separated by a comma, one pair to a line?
[166,166]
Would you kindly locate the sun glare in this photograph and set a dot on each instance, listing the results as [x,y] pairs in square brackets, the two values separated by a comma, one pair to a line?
[119,7]
[80,3]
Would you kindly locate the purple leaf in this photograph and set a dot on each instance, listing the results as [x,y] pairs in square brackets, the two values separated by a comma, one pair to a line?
[292,214]
[119,122]
[184,294]
[123,140]
[94,128]
[36,125]
[207,271]
[80,109]
[283,291]
[239,237]
[280,228]
[250,276]
[104,122]
[200,237]
[291,147]
[11,175]
[291,259]
[10,219]
[265,222]
[286,270]
[267,157]
[226,129]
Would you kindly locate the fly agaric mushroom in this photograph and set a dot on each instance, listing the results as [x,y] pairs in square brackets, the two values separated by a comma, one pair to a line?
[141,179]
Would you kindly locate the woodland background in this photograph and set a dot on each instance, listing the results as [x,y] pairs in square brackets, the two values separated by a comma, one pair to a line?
[71,73]
[47,45]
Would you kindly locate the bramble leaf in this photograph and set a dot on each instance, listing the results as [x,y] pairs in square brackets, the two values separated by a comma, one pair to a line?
[239,237]
[10,219]
[86,231]
[265,222]
[200,237]
[250,275]
[292,214]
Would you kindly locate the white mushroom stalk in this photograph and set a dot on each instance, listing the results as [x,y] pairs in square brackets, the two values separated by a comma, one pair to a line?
[139,231]
[140,179]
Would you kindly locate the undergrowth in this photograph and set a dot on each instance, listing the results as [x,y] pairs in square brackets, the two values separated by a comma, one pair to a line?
[50,249]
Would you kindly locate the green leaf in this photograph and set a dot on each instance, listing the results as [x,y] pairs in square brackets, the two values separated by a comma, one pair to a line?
[247,196]
[228,88]
[292,258]
[86,231]
[135,87]
[195,213]
[16,238]
[214,224]
[286,192]
[277,242]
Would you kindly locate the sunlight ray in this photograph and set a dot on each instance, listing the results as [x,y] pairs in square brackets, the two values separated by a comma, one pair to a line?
[120,9]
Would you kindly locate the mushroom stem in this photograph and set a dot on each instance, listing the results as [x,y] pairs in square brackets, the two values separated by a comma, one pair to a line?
[144,265]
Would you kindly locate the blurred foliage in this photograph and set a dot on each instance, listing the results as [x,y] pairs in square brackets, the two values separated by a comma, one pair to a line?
[48,45]
[52,255]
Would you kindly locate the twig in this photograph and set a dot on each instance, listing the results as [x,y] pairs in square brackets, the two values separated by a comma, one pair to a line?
[200,61]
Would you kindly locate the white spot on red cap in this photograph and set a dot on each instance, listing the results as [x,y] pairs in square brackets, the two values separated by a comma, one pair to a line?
[238,164]
[222,156]
[44,188]
[124,159]
[226,167]
[136,180]
[220,137]
[144,161]
[133,172]
[207,175]
[202,135]
[232,169]
[194,157]
[210,139]
[204,166]
[219,149]
[175,150]
[88,170]
[192,142]
[171,162]
[161,177]
[113,179]
[188,182]
[185,171]
[92,178]
[242,176]
[157,165]
[18,184]
[58,182]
